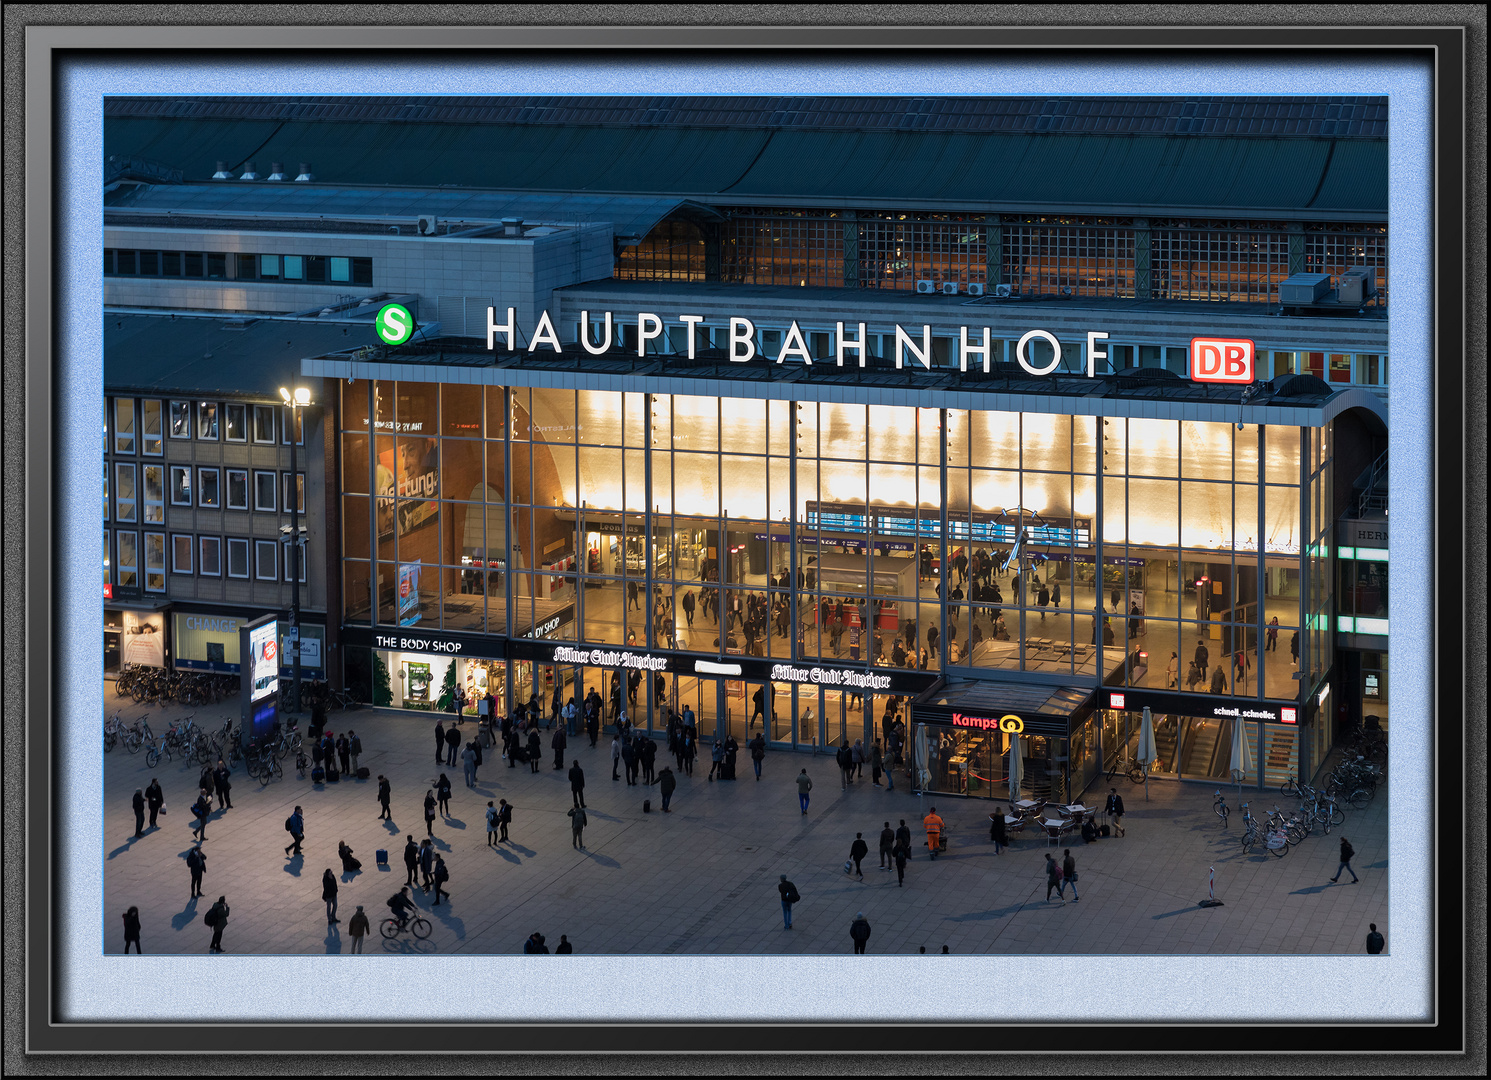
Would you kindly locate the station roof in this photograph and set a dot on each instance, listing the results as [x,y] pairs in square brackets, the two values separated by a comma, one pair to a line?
[1322,158]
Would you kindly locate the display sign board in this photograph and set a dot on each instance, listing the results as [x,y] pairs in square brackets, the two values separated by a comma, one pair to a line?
[423,641]
[207,642]
[1218,707]
[264,664]
[1006,721]
[1222,360]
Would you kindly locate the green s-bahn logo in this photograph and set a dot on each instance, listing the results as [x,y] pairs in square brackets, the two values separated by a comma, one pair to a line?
[394,324]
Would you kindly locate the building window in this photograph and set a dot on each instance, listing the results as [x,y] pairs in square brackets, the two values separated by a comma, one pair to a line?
[150,428]
[235,423]
[181,554]
[315,268]
[181,420]
[1283,364]
[238,489]
[248,267]
[341,268]
[108,572]
[191,262]
[269,267]
[237,557]
[1340,369]
[170,263]
[210,549]
[294,268]
[128,544]
[207,488]
[150,263]
[181,485]
[299,415]
[155,562]
[207,420]
[124,425]
[155,494]
[266,560]
[106,491]
[362,271]
[124,492]
[1371,369]
[128,263]
[217,264]
[264,491]
[263,423]
[300,501]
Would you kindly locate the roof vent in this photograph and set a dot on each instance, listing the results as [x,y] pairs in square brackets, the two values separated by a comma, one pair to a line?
[305,173]
[512,226]
[276,171]
[248,171]
[222,172]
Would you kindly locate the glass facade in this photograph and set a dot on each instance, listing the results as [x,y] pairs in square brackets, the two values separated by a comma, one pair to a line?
[1077,550]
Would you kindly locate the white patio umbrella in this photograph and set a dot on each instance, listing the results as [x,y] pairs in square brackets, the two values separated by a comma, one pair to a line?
[1016,768]
[922,772]
[1242,758]
[1145,755]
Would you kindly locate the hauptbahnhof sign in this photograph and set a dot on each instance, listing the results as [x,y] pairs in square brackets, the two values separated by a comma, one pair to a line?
[1227,360]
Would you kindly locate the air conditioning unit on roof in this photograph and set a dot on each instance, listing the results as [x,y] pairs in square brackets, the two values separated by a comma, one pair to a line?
[1002,291]
[925,287]
[975,289]
[950,288]
[427,224]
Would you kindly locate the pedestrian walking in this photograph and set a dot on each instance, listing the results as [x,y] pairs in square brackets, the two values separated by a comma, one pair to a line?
[452,745]
[857,755]
[442,794]
[903,837]
[411,858]
[426,865]
[155,799]
[859,930]
[491,824]
[468,764]
[217,918]
[385,796]
[997,831]
[295,826]
[933,824]
[844,759]
[804,785]
[1203,657]
[196,865]
[887,846]
[354,747]
[132,931]
[441,876]
[789,896]
[1347,853]
[358,928]
[430,812]
[504,817]
[1272,645]
[558,742]
[577,823]
[667,783]
[1053,879]
[1068,875]
[1294,648]
[615,755]
[1375,941]
[857,851]
[139,804]
[200,810]
[1172,680]
[222,785]
[1114,810]
[329,894]
[901,855]
[439,741]
[648,758]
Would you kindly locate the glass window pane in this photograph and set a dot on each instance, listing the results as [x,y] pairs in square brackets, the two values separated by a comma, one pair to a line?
[294,268]
[1205,450]
[1206,515]
[181,485]
[238,497]
[181,420]
[264,423]
[841,431]
[155,494]
[235,423]
[269,266]
[266,560]
[150,426]
[695,423]
[248,267]
[1046,442]
[124,492]
[1154,448]
[237,558]
[341,268]
[264,494]
[207,420]
[460,411]
[124,425]
[1154,513]
[210,551]
[207,488]
[1281,455]
[743,425]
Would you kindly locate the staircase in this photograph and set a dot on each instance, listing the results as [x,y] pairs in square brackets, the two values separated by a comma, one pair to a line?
[1164,744]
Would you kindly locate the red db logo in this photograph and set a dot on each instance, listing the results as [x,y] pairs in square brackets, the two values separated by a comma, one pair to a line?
[1222,360]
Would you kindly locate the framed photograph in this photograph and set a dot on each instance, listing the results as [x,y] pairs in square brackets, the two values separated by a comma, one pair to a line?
[1117,413]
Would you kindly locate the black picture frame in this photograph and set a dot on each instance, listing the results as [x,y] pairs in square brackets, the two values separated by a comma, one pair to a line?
[34,775]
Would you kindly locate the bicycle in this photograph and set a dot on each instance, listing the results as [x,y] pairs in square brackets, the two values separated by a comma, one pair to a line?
[1329,814]
[1130,768]
[343,700]
[1274,841]
[1220,806]
[113,727]
[420,927]
[138,735]
[1293,788]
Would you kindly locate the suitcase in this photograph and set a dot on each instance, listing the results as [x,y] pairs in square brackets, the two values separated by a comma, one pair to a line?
[318,775]
[646,806]
[1103,830]
[332,776]
[381,856]
[364,772]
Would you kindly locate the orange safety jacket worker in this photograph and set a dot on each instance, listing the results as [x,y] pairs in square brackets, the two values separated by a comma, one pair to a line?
[933,825]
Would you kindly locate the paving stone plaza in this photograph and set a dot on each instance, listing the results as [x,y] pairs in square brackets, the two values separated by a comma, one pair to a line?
[703,878]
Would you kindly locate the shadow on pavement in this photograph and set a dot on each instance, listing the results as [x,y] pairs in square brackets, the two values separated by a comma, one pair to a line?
[985,916]
[1311,890]
[507,855]
[349,875]
[451,922]
[603,860]
[122,848]
[333,939]
[391,827]
[520,849]
[1180,911]
[408,946]
[295,865]
[184,918]
[455,823]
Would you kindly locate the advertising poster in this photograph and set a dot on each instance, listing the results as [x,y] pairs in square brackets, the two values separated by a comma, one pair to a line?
[418,681]
[409,593]
[409,473]
[143,641]
[264,659]
[311,639]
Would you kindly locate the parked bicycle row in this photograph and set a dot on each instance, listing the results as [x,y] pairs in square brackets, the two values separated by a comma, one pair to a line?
[158,686]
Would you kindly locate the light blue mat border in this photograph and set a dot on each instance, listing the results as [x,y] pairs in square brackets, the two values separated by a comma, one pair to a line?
[710,988]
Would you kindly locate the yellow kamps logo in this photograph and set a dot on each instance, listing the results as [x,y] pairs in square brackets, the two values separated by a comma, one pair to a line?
[1011,724]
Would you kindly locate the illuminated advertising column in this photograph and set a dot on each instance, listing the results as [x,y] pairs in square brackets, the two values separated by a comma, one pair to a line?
[259,672]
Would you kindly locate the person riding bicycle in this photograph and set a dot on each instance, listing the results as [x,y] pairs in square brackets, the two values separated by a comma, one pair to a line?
[401,906]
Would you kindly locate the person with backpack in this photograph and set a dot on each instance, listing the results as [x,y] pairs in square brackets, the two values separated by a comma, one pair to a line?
[577,823]
[217,918]
[859,930]
[440,876]
[401,906]
[789,896]
[491,824]
[200,809]
[295,826]
[1347,854]
[1375,942]
[196,864]
[667,783]
[1053,879]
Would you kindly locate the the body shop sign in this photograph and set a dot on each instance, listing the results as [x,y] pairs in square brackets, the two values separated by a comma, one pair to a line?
[1223,360]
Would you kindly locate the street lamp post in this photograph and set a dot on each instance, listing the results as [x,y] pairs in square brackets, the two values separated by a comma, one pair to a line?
[296,401]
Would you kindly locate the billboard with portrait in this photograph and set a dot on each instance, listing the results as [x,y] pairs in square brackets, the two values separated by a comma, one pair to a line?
[408,482]
[264,659]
